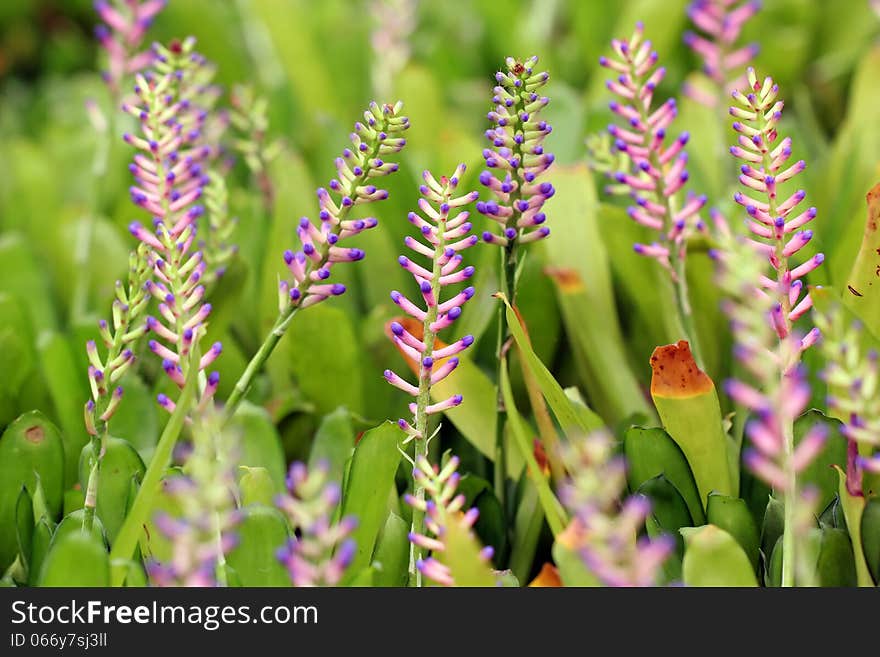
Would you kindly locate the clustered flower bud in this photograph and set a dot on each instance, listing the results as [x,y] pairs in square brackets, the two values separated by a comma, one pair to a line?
[441,507]
[444,238]
[657,170]
[121,34]
[516,160]
[321,550]
[604,532]
[378,137]
[719,23]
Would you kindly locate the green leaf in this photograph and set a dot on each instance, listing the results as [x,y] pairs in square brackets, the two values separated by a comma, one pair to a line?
[490,526]
[391,558]
[24,526]
[30,451]
[836,565]
[24,277]
[651,452]
[712,557]
[72,523]
[582,275]
[259,444]
[256,486]
[462,557]
[327,358]
[67,387]
[686,399]
[553,510]
[137,418]
[820,473]
[853,509]
[572,570]
[261,532]
[76,559]
[732,515]
[669,513]
[569,419]
[40,547]
[333,443]
[121,464]
[870,530]
[369,483]
[772,527]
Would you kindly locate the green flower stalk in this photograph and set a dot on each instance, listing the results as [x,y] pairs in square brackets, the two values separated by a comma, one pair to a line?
[853,379]
[120,337]
[250,119]
[445,235]
[378,137]
[515,162]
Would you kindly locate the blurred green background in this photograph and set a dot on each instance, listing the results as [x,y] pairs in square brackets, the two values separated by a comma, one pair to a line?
[64,239]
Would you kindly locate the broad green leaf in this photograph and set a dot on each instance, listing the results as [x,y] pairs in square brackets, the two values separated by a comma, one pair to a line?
[17,356]
[572,570]
[669,513]
[120,464]
[870,530]
[527,526]
[326,358]
[732,515]
[772,527]
[137,419]
[68,388]
[853,508]
[370,480]
[569,419]
[820,473]
[259,443]
[712,557]
[24,277]
[687,402]
[462,557]
[333,443]
[72,523]
[836,565]
[76,559]
[651,452]
[30,451]
[261,533]
[391,558]
[42,538]
[256,486]
[581,271]
[862,293]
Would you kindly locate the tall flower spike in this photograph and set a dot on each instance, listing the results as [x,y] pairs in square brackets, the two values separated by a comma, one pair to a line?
[719,23]
[773,218]
[217,246]
[603,531]
[780,392]
[170,178]
[853,379]
[444,238]
[517,154]
[441,507]
[379,136]
[204,530]
[657,169]
[122,33]
[250,119]
[322,549]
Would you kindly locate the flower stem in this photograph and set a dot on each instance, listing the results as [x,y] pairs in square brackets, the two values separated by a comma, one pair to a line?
[509,262]
[131,529]
[788,534]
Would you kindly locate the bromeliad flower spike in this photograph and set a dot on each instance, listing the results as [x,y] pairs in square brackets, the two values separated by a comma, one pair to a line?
[310,267]
[658,170]
[517,155]
[169,181]
[604,532]
[444,238]
[781,392]
[719,23]
[322,549]
[121,35]
[773,219]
